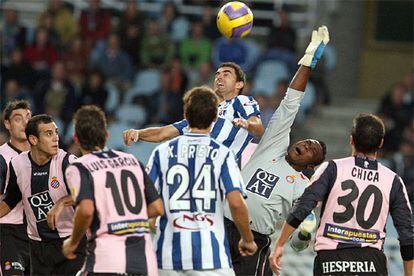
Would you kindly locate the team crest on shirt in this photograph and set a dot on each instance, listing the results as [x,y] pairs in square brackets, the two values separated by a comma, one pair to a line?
[290,179]
[15,265]
[222,112]
[262,183]
[41,204]
[54,183]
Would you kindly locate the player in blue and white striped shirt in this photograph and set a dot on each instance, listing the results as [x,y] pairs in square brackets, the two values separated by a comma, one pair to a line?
[195,175]
[238,116]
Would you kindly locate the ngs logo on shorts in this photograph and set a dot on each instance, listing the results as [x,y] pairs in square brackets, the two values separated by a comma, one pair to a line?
[262,183]
[41,203]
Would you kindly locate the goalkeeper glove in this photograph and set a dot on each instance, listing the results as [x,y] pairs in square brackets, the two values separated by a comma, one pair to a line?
[313,53]
[301,239]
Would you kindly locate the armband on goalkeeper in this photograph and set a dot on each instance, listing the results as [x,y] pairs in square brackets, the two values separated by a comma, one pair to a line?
[313,53]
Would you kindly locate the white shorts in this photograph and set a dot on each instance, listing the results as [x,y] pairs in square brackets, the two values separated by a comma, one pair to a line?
[209,272]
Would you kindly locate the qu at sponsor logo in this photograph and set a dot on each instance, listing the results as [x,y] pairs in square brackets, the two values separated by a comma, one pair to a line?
[41,204]
[262,183]
[54,183]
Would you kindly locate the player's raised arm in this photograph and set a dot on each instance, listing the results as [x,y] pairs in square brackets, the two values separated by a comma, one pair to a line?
[151,134]
[313,53]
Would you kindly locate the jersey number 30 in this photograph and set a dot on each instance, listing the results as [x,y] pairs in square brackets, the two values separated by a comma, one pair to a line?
[349,212]
[183,193]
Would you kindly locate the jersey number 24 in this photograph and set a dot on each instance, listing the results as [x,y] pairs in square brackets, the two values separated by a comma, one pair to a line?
[191,195]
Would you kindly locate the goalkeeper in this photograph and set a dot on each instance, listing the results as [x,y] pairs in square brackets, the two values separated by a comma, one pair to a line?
[273,176]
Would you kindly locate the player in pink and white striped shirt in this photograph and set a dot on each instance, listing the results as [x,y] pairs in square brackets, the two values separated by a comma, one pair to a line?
[14,244]
[37,180]
[114,198]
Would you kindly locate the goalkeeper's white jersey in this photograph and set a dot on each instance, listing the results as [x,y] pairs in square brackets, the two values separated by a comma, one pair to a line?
[271,183]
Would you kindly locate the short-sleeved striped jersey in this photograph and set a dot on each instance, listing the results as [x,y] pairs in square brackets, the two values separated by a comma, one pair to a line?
[193,174]
[7,152]
[39,188]
[223,129]
[119,240]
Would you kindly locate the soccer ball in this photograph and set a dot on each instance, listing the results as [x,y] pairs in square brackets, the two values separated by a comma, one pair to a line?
[235,19]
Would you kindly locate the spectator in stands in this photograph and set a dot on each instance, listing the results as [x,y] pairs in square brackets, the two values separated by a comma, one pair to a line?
[57,94]
[174,96]
[281,42]
[95,22]
[209,22]
[76,60]
[204,75]
[234,50]
[157,48]
[131,29]
[196,49]
[41,55]
[282,36]
[13,91]
[173,24]
[12,33]
[94,91]
[396,109]
[114,62]
[63,22]
[47,24]
[18,69]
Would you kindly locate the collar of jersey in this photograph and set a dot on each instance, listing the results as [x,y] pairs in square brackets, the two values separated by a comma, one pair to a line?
[14,148]
[192,134]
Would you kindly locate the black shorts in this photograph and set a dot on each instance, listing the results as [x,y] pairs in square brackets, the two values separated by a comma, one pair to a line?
[350,261]
[14,249]
[250,265]
[46,258]
[110,274]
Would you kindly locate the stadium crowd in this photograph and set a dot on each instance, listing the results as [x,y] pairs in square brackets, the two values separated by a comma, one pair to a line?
[137,66]
[134,65]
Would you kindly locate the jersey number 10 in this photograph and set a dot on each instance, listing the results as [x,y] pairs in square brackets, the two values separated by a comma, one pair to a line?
[125,200]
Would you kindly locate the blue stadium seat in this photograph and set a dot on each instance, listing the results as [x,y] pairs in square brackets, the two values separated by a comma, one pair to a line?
[146,83]
[134,115]
[268,74]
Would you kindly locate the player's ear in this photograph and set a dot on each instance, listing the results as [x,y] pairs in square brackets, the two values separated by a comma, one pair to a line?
[239,85]
[351,140]
[7,124]
[75,139]
[382,143]
[106,135]
[33,140]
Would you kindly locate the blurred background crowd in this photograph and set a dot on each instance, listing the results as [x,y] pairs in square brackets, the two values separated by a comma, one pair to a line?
[136,58]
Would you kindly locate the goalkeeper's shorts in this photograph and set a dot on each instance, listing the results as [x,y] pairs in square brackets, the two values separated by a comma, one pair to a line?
[257,264]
